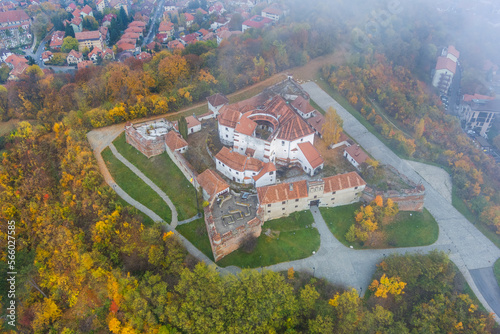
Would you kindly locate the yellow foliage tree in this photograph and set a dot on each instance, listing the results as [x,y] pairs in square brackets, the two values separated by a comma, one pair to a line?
[291,273]
[392,285]
[332,128]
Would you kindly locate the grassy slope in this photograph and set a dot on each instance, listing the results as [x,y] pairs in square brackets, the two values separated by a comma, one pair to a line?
[135,187]
[296,240]
[196,233]
[419,229]
[165,174]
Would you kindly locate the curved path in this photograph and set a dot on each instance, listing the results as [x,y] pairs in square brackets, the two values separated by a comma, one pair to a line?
[150,183]
[468,248]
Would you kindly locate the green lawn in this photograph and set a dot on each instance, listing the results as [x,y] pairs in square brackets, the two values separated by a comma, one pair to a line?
[165,174]
[419,229]
[291,238]
[135,187]
[196,233]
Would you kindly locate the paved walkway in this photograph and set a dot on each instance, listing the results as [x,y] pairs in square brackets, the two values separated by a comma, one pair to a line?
[468,248]
[186,221]
[150,183]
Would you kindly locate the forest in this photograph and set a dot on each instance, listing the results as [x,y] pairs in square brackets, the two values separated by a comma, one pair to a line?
[87,263]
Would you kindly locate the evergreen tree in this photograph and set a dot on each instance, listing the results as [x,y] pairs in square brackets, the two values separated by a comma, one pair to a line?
[183,128]
[68,31]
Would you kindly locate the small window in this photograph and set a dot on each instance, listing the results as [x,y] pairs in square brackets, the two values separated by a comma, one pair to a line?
[230,169]
[271,173]
[219,162]
[296,206]
[315,196]
[227,136]
[269,205]
[301,139]
[333,198]
[282,143]
[237,173]
[355,187]
[283,202]
[333,193]
[297,200]
[283,209]
[227,129]
[268,211]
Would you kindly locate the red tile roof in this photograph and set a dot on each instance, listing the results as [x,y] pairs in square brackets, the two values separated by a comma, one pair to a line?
[86,35]
[126,46]
[212,183]
[357,153]
[246,126]
[453,51]
[446,63]
[76,13]
[151,46]
[87,9]
[85,64]
[137,24]
[192,122]
[130,35]
[57,39]
[268,167]
[175,45]
[311,153]
[75,54]
[15,60]
[257,21]
[174,141]
[468,98]
[343,181]
[316,122]
[302,104]
[188,17]
[136,30]
[166,26]
[229,116]
[237,161]
[282,192]
[217,100]
[273,10]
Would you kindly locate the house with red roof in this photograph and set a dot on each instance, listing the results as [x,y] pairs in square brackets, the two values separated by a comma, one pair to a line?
[272,12]
[106,21]
[166,28]
[175,45]
[56,40]
[86,11]
[89,39]
[74,57]
[189,19]
[85,64]
[257,22]
[189,39]
[193,124]
[446,68]
[355,155]
[144,56]
[100,5]
[175,142]
[47,56]
[282,199]
[212,185]
[272,130]
[153,46]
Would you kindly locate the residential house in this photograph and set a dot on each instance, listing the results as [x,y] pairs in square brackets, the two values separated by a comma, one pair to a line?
[126,47]
[282,199]
[189,39]
[100,5]
[74,57]
[316,122]
[217,8]
[118,4]
[14,19]
[89,39]
[189,19]
[175,45]
[245,169]
[212,185]
[256,22]
[76,24]
[56,40]
[193,124]
[47,56]
[224,34]
[153,46]
[86,11]
[166,28]
[139,24]
[272,12]
[71,7]
[106,21]
[446,68]
[216,102]
[135,30]
[175,142]
[303,107]
[355,155]
[85,64]
[144,56]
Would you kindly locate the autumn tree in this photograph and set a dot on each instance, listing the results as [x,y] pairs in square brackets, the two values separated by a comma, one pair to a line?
[332,128]
[387,285]
[69,43]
